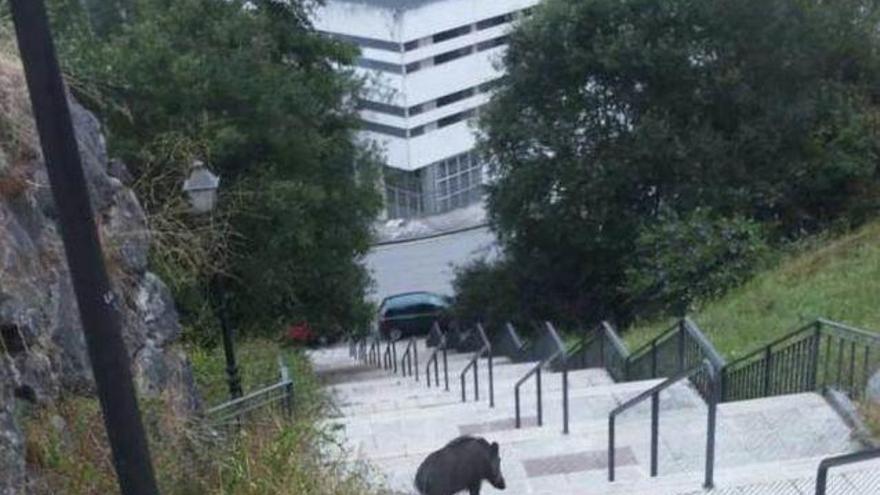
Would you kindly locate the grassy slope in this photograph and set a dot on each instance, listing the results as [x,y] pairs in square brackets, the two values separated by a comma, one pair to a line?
[838,279]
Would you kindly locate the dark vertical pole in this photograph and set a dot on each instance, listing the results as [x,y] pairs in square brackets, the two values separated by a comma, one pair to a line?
[611,448]
[768,369]
[97,306]
[445,369]
[654,359]
[218,295]
[540,405]
[491,382]
[477,379]
[463,391]
[822,480]
[710,430]
[655,431]
[516,402]
[565,397]
[415,348]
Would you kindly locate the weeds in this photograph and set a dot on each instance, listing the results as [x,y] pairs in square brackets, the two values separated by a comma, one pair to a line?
[67,448]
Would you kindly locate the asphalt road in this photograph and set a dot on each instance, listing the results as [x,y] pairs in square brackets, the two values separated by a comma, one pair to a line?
[426,264]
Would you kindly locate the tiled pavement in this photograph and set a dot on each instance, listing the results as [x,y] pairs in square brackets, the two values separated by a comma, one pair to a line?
[767,446]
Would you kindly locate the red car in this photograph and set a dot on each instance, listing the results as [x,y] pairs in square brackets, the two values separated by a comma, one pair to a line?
[300,334]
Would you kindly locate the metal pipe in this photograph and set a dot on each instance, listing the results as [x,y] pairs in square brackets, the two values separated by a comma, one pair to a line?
[540,408]
[565,398]
[445,369]
[655,431]
[95,299]
[611,448]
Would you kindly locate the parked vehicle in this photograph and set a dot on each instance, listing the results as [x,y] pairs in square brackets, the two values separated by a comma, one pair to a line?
[412,313]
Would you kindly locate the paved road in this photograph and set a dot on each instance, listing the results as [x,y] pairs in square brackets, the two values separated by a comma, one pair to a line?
[426,264]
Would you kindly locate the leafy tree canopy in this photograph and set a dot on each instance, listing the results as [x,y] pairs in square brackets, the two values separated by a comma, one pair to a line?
[616,111]
[254,91]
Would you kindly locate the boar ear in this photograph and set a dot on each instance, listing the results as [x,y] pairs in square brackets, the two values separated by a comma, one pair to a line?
[494,449]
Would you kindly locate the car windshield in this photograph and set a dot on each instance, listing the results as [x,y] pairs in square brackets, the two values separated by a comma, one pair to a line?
[420,299]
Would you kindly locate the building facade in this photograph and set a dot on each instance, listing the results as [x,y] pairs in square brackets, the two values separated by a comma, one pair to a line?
[430,66]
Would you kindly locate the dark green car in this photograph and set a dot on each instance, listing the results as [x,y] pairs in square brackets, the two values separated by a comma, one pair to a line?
[412,313]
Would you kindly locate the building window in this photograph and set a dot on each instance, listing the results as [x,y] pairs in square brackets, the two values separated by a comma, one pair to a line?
[403,193]
[452,55]
[489,44]
[451,33]
[494,21]
[459,181]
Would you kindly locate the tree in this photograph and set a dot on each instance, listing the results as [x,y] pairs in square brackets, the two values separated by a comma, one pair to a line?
[616,110]
[252,89]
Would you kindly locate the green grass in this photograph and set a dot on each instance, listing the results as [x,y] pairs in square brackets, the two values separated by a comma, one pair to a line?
[838,279]
[271,453]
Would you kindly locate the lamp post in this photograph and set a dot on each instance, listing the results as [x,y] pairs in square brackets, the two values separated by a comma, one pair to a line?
[201,190]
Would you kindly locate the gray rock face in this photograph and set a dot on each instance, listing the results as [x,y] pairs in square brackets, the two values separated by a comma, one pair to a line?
[42,349]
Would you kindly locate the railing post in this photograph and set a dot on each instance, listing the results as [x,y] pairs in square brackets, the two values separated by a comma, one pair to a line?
[415,355]
[654,359]
[611,448]
[516,400]
[655,431]
[822,480]
[491,383]
[814,356]
[445,370]
[540,408]
[394,354]
[681,336]
[768,368]
[477,379]
[710,428]
[565,397]
[463,393]
[288,400]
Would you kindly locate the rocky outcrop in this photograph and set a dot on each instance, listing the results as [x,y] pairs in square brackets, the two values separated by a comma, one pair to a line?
[42,350]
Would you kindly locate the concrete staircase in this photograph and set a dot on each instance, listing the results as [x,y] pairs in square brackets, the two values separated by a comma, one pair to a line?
[765,446]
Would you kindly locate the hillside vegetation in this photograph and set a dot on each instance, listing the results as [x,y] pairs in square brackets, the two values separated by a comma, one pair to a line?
[838,279]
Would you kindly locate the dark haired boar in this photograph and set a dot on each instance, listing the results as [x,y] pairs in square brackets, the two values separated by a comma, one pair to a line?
[461,465]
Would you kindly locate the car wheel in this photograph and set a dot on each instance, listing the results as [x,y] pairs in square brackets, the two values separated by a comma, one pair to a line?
[396,334]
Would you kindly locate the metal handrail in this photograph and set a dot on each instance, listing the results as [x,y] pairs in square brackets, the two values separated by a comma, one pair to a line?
[406,361]
[441,347]
[690,328]
[509,343]
[802,361]
[534,371]
[390,357]
[563,356]
[282,391]
[763,349]
[841,460]
[472,363]
[654,394]
[374,354]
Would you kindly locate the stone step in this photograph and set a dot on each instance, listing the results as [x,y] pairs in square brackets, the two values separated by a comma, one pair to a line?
[394,424]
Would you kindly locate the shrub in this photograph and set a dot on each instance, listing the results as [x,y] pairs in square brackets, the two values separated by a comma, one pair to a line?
[683,259]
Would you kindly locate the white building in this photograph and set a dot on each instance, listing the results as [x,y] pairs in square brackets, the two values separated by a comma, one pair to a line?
[432,64]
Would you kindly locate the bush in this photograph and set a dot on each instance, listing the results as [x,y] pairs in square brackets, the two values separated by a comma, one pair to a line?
[485,291]
[681,260]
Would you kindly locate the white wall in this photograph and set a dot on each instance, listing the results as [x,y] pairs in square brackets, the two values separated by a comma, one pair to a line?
[426,264]
[367,19]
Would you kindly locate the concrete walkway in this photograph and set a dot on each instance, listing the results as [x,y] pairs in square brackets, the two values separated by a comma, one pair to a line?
[766,446]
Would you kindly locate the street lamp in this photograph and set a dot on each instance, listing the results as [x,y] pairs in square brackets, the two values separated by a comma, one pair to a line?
[201,190]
